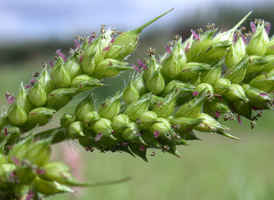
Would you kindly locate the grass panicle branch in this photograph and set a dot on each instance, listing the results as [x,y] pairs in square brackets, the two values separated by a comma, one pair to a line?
[196,82]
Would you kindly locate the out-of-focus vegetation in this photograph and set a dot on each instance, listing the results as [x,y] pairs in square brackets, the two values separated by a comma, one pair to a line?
[215,168]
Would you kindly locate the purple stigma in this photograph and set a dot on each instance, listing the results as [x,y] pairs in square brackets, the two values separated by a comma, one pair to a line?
[187,47]
[142,147]
[220,97]
[98,137]
[195,93]
[90,39]
[32,81]
[30,195]
[6,131]
[253,27]
[257,109]
[156,134]
[107,48]
[267,29]
[243,38]
[263,94]
[76,43]
[125,143]
[140,63]
[15,160]
[136,68]
[10,98]
[217,113]
[168,49]
[235,38]
[87,148]
[81,59]
[51,63]
[112,40]
[239,120]
[61,55]
[195,35]
[27,86]
[40,171]
[13,173]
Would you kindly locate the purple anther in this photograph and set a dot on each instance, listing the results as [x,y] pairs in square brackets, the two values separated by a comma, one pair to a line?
[267,29]
[263,94]
[51,63]
[136,68]
[239,120]
[98,137]
[168,49]
[195,93]
[187,47]
[107,48]
[6,131]
[140,63]
[76,42]
[156,134]
[61,55]
[195,35]
[112,40]
[40,171]
[30,195]
[81,59]
[125,143]
[253,27]
[142,147]
[15,160]
[10,98]
[217,113]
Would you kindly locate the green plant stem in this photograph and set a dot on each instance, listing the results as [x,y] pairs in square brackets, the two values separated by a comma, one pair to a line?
[60,135]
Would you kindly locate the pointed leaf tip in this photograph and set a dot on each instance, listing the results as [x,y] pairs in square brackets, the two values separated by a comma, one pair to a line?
[241,21]
[141,28]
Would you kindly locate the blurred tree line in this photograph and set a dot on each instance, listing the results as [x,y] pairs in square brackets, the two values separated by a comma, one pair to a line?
[223,17]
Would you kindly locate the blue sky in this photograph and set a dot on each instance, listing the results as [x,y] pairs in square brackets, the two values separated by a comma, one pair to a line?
[38,19]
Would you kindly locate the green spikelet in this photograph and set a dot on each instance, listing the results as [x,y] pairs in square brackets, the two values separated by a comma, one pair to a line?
[236,53]
[111,107]
[171,67]
[192,69]
[153,66]
[135,109]
[84,82]
[40,115]
[147,119]
[83,108]
[60,97]
[127,42]
[17,115]
[130,94]
[60,75]
[166,107]
[109,67]
[237,74]
[236,92]
[120,122]
[156,83]
[72,66]
[38,95]
[91,118]
[192,108]
[212,75]
[258,42]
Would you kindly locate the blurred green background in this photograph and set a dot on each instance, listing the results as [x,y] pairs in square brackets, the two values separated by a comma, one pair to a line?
[215,168]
